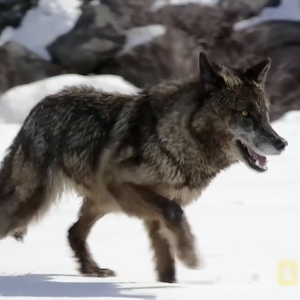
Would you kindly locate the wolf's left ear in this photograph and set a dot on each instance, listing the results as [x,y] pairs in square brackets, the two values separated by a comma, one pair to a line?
[259,72]
[209,75]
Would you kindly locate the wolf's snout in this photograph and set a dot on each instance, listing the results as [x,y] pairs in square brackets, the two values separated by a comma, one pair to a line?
[280,144]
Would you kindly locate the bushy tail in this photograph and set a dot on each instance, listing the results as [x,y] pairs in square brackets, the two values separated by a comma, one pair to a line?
[26,190]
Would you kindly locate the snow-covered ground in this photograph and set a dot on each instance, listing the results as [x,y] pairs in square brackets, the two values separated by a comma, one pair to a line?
[245,223]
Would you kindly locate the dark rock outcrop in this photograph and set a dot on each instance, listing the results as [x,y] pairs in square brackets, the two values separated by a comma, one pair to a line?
[173,54]
[211,29]
[12,12]
[18,65]
[281,42]
[95,38]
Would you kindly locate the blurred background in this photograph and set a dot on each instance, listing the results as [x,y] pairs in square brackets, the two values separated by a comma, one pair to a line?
[145,41]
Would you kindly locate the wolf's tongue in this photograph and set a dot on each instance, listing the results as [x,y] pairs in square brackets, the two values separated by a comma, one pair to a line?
[262,160]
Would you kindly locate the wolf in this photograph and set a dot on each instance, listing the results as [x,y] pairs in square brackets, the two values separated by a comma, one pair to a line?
[146,155]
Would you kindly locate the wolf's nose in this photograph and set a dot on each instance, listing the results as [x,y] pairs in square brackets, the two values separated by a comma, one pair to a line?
[280,144]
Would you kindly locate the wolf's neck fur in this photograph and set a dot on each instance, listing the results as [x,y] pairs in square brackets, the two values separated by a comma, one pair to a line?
[189,143]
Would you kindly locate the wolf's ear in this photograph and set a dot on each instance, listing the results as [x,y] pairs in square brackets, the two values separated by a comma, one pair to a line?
[259,72]
[209,75]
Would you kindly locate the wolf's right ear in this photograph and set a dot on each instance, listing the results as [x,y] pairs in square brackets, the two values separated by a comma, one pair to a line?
[259,72]
[209,76]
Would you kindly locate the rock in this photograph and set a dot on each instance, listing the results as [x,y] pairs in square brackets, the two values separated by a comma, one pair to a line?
[286,10]
[171,55]
[190,27]
[281,42]
[201,22]
[95,37]
[13,11]
[283,84]
[133,13]
[254,7]
[278,40]
[122,7]
[276,34]
[20,66]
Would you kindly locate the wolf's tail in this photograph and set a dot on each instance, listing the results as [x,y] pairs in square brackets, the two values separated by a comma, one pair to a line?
[27,189]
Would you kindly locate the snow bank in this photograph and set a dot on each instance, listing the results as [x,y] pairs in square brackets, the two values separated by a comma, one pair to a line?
[43,24]
[16,103]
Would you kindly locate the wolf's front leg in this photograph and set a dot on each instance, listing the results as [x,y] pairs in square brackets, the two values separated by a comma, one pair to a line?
[140,201]
[163,253]
[174,226]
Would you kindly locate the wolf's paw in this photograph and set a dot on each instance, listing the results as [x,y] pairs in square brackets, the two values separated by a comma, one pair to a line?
[97,272]
[185,246]
[188,256]
[167,277]
[19,235]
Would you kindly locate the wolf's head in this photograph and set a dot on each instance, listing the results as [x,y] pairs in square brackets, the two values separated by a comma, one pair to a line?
[241,105]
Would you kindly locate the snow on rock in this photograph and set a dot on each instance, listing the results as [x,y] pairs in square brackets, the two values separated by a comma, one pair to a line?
[160,3]
[43,24]
[16,103]
[95,38]
[141,35]
[288,10]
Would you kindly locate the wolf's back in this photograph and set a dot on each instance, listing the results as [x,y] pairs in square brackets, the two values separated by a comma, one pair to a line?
[60,142]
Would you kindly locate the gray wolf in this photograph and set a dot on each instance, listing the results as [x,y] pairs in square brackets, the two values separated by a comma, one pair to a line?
[145,155]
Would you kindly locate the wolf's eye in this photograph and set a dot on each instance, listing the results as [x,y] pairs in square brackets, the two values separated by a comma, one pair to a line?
[244,113]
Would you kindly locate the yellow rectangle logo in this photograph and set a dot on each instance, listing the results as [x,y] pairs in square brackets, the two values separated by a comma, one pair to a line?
[287,273]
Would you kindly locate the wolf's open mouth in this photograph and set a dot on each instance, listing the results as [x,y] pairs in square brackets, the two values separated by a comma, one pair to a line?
[253,159]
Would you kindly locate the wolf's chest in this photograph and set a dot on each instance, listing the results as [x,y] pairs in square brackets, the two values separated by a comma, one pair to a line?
[183,196]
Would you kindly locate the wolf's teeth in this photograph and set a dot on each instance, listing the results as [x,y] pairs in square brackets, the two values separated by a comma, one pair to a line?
[259,165]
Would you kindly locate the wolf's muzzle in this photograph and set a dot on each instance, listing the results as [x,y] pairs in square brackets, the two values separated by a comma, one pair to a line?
[280,144]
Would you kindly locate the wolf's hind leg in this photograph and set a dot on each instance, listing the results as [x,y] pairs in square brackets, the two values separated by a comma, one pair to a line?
[27,208]
[77,235]
[163,258]
[25,195]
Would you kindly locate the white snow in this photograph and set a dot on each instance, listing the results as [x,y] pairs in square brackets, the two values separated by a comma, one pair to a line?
[16,103]
[288,10]
[245,223]
[160,3]
[43,24]
[141,35]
